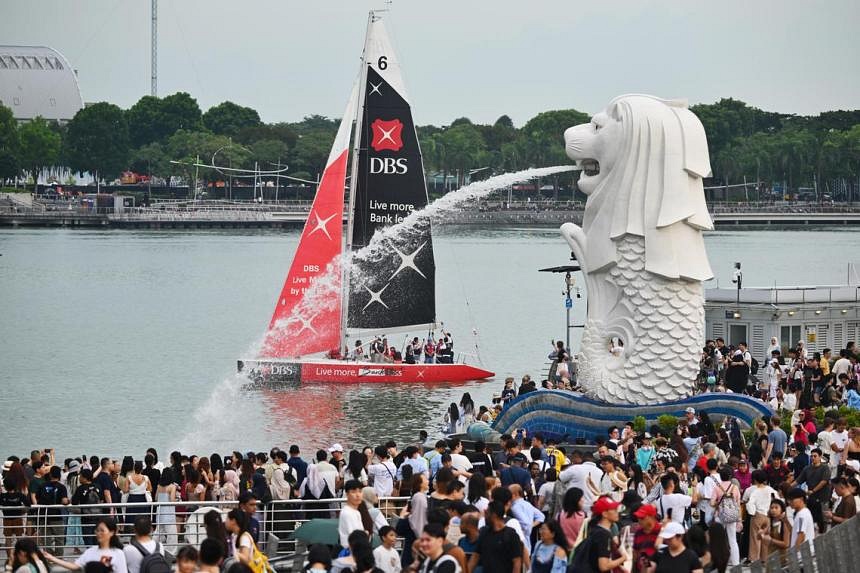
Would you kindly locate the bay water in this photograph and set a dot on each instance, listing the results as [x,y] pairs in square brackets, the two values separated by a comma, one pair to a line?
[112,341]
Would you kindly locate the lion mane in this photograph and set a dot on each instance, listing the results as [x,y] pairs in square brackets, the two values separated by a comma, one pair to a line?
[654,190]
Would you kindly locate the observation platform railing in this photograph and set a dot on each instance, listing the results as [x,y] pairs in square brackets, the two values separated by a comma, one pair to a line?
[67,530]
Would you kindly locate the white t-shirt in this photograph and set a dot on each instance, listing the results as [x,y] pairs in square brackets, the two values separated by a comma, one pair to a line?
[803,523]
[383,477]
[840,439]
[676,502]
[387,559]
[114,558]
[133,557]
[461,463]
[577,476]
[545,492]
[349,521]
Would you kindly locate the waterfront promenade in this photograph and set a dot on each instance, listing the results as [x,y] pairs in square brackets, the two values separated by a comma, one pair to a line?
[293,214]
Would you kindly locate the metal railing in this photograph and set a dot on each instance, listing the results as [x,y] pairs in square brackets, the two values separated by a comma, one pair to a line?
[66,530]
[837,550]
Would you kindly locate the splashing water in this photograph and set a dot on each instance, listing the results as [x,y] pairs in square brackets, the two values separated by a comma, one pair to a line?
[449,203]
[217,421]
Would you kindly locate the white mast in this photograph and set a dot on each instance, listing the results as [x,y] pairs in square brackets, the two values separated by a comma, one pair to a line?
[353,183]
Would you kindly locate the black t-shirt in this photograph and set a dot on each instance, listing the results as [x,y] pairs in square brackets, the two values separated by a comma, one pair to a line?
[684,562]
[498,549]
[480,462]
[600,545]
[52,493]
[447,566]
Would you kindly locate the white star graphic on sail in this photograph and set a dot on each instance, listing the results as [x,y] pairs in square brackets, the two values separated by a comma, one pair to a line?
[306,322]
[321,224]
[374,89]
[408,261]
[387,134]
[375,297]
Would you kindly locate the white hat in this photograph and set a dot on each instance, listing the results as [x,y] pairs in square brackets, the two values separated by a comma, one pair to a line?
[7,465]
[335,448]
[690,410]
[671,529]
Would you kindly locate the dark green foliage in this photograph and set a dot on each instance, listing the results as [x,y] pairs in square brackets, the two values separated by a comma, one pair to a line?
[97,140]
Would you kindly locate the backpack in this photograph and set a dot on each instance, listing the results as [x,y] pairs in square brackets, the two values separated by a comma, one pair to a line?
[753,366]
[92,496]
[152,562]
[579,562]
[728,510]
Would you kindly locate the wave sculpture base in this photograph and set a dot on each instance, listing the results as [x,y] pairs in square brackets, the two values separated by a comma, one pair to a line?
[567,416]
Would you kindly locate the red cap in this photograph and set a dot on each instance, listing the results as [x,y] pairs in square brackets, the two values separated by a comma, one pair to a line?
[645,510]
[604,504]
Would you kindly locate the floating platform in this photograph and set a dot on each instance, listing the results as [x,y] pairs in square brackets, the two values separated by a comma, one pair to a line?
[559,414]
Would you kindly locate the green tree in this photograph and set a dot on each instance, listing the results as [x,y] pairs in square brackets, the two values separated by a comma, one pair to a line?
[9,144]
[462,145]
[542,137]
[311,152]
[150,159]
[282,132]
[229,119]
[153,119]
[181,111]
[39,148]
[97,140]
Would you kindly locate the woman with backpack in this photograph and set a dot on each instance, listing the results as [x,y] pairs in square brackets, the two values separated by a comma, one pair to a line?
[725,500]
[108,550]
[15,494]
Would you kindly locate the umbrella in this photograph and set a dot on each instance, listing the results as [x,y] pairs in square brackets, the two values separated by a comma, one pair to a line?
[322,531]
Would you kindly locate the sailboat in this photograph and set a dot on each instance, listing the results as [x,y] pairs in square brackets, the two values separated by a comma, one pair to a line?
[332,304]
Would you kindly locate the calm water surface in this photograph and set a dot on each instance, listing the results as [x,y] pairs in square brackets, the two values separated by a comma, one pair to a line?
[113,341]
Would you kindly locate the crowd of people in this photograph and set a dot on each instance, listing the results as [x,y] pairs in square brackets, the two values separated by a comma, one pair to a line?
[415,351]
[797,380]
[698,498]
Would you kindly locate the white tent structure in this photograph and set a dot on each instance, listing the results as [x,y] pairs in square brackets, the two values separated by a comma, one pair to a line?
[38,81]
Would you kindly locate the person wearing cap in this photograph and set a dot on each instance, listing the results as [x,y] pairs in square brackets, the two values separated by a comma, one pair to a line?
[645,536]
[599,557]
[690,414]
[676,557]
[337,459]
[803,526]
[516,473]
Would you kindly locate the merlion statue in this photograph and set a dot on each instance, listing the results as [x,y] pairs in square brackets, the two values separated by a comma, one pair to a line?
[641,248]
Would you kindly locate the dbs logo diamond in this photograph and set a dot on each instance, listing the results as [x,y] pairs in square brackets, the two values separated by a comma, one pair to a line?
[387,134]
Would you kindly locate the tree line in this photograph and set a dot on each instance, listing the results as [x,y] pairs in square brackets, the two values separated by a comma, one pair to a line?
[745,142]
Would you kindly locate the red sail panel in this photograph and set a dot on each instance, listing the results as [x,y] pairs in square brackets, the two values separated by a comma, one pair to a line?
[307,315]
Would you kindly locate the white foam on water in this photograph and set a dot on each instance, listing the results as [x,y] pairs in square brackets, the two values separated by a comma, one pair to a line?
[222,420]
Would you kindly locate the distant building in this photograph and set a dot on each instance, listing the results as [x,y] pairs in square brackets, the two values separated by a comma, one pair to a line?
[38,81]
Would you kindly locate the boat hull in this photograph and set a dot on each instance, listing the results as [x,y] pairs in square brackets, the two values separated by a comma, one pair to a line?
[285,372]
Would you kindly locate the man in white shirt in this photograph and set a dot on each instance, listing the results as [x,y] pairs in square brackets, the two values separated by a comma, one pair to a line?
[803,528]
[327,471]
[577,476]
[842,366]
[672,506]
[837,447]
[706,490]
[382,473]
[142,539]
[458,461]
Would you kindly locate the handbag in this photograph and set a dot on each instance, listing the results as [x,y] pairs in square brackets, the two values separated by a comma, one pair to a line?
[395,487]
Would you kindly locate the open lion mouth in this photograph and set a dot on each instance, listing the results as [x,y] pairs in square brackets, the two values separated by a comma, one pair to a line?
[590,167]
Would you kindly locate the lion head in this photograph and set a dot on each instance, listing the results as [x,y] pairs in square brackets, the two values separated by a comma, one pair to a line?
[642,160]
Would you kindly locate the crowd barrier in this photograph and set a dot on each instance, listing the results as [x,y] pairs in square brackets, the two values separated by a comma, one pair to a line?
[836,551]
[66,530]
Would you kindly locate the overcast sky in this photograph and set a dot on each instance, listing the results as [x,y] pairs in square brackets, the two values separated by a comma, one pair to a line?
[473,58]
